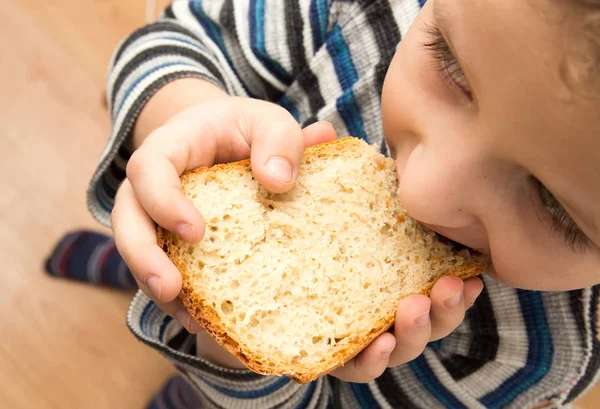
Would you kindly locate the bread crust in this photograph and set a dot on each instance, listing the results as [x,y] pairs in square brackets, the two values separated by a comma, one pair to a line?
[208,318]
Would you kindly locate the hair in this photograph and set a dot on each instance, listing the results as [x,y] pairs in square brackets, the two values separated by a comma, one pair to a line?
[582,65]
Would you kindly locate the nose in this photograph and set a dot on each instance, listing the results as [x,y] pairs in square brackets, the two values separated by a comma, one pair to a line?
[438,184]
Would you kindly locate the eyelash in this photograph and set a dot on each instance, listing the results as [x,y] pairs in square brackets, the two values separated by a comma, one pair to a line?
[446,64]
[560,221]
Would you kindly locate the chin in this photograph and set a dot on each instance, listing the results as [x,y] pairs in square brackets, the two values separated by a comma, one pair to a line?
[536,283]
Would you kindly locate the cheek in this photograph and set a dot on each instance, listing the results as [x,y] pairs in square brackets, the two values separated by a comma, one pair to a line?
[538,260]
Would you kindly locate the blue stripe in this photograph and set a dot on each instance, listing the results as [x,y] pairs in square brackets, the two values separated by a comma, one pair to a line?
[363,396]
[425,375]
[257,42]
[214,33]
[144,75]
[163,327]
[143,316]
[347,76]
[212,30]
[437,345]
[286,103]
[253,394]
[307,396]
[422,2]
[351,115]
[181,40]
[107,207]
[319,16]
[539,355]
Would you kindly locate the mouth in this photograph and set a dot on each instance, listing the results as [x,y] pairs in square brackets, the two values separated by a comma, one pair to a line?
[444,235]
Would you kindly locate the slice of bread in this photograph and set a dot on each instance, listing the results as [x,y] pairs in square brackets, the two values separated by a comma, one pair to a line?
[298,283]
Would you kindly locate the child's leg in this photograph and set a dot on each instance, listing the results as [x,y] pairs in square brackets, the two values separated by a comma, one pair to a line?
[89,257]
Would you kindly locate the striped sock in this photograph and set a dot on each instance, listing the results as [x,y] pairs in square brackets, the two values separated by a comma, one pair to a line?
[89,257]
[175,394]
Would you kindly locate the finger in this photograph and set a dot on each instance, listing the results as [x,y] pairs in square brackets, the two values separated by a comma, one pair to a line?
[319,132]
[370,363]
[472,289]
[153,171]
[447,306]
[135,237]
[276,147]
[412,329]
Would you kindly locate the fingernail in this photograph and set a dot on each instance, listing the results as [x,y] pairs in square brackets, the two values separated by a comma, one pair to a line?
[153,284]
[280,169]
[454,300]
[422,319]
[186,231]
[385,355]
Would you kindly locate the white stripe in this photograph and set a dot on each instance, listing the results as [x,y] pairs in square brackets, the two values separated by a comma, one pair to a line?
[149,65]
[487,378]
[360,39]
[412,387]
[378,396]
[144,43]
[242,8]
[322,66]
[405,13]
[111,148]
[307,32]
[282,396]
[187,19]
[586,301]
[448,382]
[513,341]
[509,319]
[275,27]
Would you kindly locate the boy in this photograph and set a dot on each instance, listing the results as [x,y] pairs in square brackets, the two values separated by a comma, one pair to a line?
[490,110]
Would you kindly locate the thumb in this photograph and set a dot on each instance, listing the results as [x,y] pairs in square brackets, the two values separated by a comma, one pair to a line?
[277,150]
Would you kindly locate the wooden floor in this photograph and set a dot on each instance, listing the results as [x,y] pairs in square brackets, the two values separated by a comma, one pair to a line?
[63,345]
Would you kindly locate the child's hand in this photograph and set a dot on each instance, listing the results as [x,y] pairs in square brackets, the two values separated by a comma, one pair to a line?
[222,130]
[419,320]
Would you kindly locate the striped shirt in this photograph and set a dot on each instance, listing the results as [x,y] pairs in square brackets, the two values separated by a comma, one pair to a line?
[326,60]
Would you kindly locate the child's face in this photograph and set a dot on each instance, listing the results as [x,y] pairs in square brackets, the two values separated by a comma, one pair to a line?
[493,150]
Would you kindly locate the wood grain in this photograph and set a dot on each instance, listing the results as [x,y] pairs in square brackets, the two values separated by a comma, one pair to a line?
[64,345]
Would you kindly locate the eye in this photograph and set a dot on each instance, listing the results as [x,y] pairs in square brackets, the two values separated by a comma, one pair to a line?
[559,220]
[446,63]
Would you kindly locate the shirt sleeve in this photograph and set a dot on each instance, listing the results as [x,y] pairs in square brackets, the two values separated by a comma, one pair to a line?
[253,48]
[516,349]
